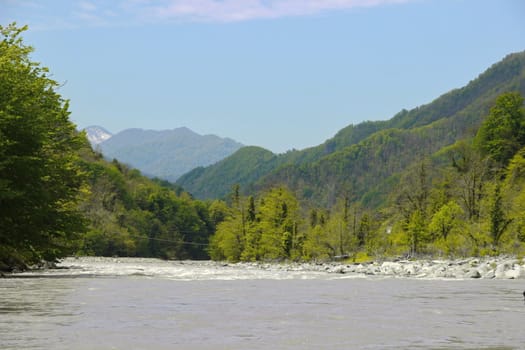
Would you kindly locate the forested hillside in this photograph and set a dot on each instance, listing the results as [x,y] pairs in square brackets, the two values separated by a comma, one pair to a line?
[444,179]
[128,214]
[360,159]
[245,166]
[465,199]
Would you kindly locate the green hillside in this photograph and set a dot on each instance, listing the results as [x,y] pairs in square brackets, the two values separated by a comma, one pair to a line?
[418,197]
[243,167]
[359,160]
[128,214]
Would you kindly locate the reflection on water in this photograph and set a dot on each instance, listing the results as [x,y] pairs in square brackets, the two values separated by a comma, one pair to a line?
[139,312]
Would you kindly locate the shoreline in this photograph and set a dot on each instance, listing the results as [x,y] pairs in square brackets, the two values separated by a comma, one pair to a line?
[503,267]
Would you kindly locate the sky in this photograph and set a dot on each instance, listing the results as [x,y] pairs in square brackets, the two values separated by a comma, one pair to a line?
[280,74]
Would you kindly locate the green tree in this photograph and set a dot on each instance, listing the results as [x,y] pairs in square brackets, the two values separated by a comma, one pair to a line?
[363,231]
[498,218]
[316,246]
[445,220]
[218,211]
[252,233]
[470,176]
[40,179]
[229,239]
[416,232]
[227,242]
[514,191]
[279,219]
[502,133]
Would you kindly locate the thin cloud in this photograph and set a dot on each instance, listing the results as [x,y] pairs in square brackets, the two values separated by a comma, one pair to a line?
[81,13]
[95,14]
[87,6]
[244,10]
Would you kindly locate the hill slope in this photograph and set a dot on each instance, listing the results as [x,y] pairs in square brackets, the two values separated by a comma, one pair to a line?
[167,154]
[360,158]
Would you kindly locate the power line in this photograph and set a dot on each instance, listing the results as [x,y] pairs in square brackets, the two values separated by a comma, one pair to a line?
[173,241]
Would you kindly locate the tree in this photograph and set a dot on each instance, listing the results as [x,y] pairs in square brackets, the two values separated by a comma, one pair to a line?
[279,218]
[502,133]
[445,220]
[252,233]
[498,218]
[514,191]
[40,179]
[471,173]
[414,191]
[416,232]
[229,239]
[363,231]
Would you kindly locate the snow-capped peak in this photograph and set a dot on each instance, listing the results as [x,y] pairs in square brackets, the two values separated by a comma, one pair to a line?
[97,134]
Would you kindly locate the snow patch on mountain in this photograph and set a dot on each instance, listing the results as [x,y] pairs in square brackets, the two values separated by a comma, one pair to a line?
[97,134]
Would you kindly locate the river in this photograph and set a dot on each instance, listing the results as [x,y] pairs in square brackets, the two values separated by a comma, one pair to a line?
[99,303]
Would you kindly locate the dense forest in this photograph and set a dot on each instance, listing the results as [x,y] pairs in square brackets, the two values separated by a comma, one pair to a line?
[444,179]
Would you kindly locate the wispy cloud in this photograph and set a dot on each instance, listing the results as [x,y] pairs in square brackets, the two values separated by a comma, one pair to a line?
[244,10]
[97,13]
[70,14]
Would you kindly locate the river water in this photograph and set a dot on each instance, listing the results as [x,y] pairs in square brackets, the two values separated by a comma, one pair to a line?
[149,304]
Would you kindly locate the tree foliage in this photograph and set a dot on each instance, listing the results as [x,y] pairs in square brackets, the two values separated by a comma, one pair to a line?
[131,215]
[40,179]
[266,228]
[502,133]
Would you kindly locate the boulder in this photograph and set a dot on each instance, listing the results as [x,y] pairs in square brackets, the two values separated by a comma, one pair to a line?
[390,268]
[410,270]
[490,274]
[473,273]
[514,273]
[502,268]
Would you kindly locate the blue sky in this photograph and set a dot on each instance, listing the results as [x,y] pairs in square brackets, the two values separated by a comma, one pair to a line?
[277,74]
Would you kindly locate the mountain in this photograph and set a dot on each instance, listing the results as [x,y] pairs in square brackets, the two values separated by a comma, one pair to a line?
[167,154]
[244,166]
[97,134]
[362,161]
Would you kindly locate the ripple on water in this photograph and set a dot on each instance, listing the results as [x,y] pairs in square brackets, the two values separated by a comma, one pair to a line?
[202,305]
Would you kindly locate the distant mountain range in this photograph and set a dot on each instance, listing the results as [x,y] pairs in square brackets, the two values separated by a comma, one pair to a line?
[364,161]
[165,154]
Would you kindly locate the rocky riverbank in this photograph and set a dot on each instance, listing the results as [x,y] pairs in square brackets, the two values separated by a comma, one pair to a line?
[487,268]
[502,267]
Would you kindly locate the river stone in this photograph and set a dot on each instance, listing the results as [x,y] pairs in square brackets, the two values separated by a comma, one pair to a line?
[338,269]
[490,274]
[390,268]
[514,273]
[410,270]
[473,273]
[502,268]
